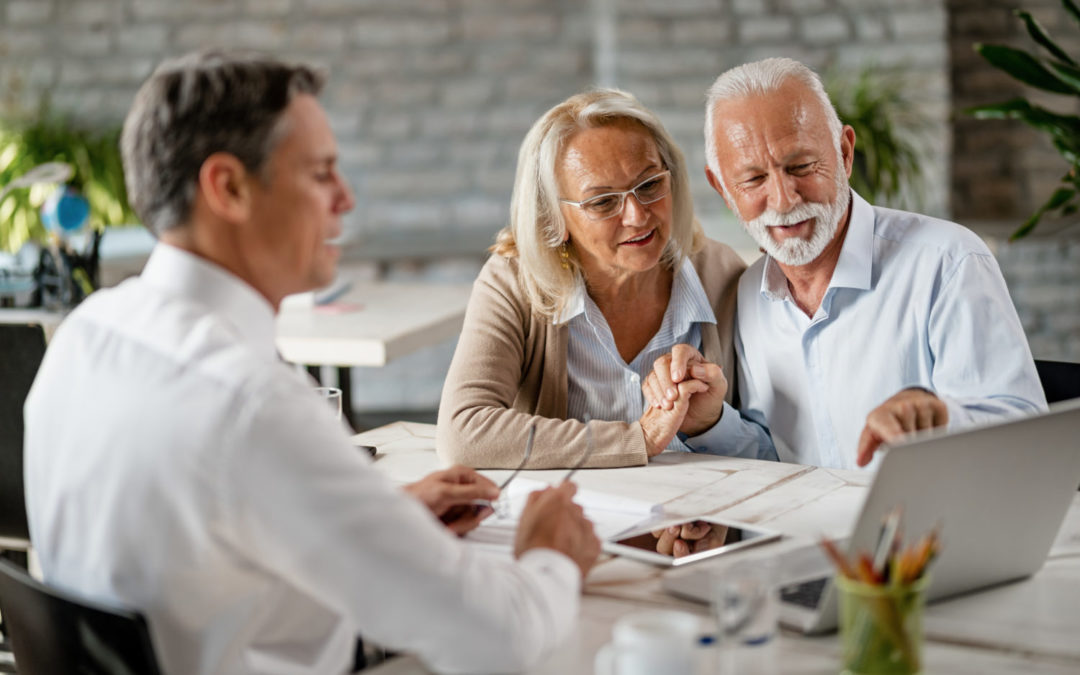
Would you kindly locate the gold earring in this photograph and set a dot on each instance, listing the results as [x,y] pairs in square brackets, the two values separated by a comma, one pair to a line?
[564,253]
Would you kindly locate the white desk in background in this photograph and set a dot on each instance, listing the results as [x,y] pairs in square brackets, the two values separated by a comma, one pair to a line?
[1025,627]
[371,324]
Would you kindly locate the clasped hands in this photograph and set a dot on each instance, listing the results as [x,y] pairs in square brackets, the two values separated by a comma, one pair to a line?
[684,392]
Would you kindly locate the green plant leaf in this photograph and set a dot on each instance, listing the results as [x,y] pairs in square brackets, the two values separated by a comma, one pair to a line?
[1072,9]
[1057,200]
[1039,35]
[1024,67]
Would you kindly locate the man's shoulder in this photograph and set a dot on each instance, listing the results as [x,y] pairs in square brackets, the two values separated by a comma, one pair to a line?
[927,235]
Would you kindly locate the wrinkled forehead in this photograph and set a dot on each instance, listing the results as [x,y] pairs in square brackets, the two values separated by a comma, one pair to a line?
[607,155]
[776,124]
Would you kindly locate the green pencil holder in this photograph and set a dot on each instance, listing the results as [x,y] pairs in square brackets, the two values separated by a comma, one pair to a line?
[881,627]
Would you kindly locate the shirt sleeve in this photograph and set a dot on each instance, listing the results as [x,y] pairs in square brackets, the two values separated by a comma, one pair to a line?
[734,435]
[316,514]
[983,369]
[479,425]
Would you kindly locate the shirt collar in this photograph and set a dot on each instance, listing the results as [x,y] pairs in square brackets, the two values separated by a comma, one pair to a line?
[854,267]
[187,275]
[688,303]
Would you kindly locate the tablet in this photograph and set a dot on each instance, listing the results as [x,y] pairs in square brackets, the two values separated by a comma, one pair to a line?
[706,537]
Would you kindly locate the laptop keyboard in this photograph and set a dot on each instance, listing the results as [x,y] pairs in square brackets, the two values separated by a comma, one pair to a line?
[807,594]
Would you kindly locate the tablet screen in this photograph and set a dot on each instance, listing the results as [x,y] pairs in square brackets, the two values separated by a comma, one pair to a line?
[693,537]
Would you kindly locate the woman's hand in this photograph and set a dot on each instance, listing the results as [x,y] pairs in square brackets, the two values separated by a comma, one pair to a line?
[660,424]
[684,365]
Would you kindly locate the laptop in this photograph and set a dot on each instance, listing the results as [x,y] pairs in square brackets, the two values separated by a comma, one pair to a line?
[999,493]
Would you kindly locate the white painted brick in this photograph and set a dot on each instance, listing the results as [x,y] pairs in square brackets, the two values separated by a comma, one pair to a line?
[95,72]
[441,61]
[471,93]
[144,39]
[396,214]
[22,43]
[802,7]
[766,29]
[399,32]
[414,153]
[825,29]
[355,156]
[267,7]
[261,35]
[749,7]
[700,32]
[388,126]
[671,7]
[25,12]
[513,122]
[536,27]
[87,12]
[35,74]
[316,37]
[183,11]
[641,31]
[869,28]
[923,24]
[475,153]
[666,63]
[396,93]
[481,211]
[85,42]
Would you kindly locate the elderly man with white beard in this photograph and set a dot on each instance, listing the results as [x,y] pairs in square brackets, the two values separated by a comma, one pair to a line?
[860,324]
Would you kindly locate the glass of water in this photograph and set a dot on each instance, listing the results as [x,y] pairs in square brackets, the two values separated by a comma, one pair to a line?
[332,396]
[746,603]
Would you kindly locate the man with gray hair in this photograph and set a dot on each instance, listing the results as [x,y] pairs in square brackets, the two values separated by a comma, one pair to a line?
[861,323]
[176,466]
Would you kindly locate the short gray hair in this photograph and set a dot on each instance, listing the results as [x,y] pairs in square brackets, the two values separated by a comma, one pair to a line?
[194,106]
[537,226]
[756,79]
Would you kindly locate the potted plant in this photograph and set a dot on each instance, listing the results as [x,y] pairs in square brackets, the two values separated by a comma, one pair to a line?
[97,173]
[1052,70]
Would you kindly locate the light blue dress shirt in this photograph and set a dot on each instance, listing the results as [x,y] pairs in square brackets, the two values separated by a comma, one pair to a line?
[603,386]
[913,302]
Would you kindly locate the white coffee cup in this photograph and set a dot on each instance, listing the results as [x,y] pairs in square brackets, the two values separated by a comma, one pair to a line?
[652,642]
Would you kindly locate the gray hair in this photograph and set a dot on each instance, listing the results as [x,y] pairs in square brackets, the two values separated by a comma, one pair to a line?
[537,227]
[194,106]
[757,79]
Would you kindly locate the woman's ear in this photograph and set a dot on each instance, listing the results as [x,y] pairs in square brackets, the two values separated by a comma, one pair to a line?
[225,188]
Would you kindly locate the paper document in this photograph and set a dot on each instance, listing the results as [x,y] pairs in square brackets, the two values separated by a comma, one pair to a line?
[610,514]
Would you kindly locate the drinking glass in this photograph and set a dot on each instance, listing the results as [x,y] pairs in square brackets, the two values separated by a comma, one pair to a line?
[746,603]
[332,395]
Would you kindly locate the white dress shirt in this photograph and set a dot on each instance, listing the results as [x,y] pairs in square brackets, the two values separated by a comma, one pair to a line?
[913,302]
[175,466]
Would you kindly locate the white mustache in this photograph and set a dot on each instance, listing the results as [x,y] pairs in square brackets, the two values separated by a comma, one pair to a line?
[798,214]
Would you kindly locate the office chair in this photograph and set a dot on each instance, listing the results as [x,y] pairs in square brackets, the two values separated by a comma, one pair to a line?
[54,632]
[1060,379]
[22,347]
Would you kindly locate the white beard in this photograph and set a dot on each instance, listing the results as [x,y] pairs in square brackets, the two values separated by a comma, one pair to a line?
[796,251]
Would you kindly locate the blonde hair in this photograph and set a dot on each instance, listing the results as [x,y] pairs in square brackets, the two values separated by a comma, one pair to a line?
[537,228]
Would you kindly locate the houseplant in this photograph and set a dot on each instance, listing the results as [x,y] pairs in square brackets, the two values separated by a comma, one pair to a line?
[93,154]
[1052,70]
[886,166]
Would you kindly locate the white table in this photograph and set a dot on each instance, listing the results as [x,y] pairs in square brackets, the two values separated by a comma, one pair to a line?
[1029,627]
[372,324]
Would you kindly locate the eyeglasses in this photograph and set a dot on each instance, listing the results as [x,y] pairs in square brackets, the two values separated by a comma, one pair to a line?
[610,204]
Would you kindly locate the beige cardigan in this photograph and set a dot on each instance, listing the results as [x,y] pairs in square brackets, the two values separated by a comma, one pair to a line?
[509,369]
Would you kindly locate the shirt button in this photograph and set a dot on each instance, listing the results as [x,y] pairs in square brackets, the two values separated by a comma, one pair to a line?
[634,377]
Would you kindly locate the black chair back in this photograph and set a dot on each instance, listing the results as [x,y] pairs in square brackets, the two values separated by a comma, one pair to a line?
[53,632]
[1060,379]
[22,347]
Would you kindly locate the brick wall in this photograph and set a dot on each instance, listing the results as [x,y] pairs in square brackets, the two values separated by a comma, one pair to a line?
[430,98]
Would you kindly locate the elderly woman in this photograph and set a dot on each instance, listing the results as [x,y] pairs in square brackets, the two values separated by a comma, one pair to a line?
[602,270]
